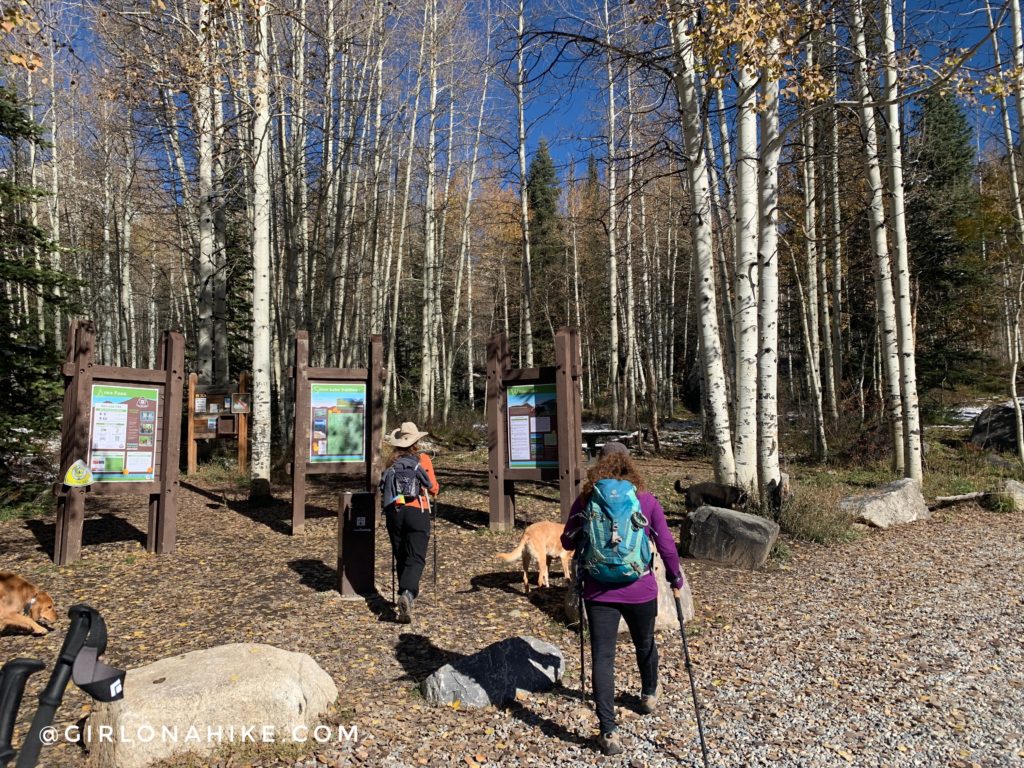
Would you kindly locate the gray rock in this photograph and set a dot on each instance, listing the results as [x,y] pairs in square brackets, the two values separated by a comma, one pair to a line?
[494,675]
[996,427]
[892,504]
[202,701]
[729,537]
[1014,492]
[667,619]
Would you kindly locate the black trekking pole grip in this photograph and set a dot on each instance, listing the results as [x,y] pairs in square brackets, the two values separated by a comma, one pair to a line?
[13,677]
[693,686]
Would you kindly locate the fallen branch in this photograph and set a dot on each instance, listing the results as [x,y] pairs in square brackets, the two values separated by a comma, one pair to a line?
[949,501]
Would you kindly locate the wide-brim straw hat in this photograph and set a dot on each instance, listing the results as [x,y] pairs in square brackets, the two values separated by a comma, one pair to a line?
[405,435]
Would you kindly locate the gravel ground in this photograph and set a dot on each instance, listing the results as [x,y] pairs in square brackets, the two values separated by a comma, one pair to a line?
[903,648]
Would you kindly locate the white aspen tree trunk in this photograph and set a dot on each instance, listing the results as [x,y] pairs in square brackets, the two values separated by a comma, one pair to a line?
[722,250]
[768,286]
[221,349]
[1018,63]
[400,249]
[54,201]
[629,313]
[813,379]
[913,464]
[809,303]
[261,325]
[613,257]
[527,304]
[33,207]
[746,292]
[700,212]
[111,333]
[886,307]
[837,228]
[153,313]
[205,265]
[128,342]
[427,341]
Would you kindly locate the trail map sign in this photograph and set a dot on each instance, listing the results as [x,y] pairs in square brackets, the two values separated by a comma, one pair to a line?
[337,422]
[123,436]
[119,435]
[533,424]
[218,412]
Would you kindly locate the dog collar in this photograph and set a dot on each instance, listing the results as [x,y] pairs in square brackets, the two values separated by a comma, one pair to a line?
[27,610]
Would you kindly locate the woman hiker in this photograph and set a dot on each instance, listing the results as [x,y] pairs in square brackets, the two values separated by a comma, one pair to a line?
[636,600]
[404,486]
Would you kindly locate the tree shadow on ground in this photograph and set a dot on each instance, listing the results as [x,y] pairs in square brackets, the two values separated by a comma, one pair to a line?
[420,658]
[274,513]
[463,517]
[105,528]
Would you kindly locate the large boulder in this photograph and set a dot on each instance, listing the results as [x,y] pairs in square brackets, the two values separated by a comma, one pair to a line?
[729,537]
[996,427]
[667,617]
[494,675]
[1013,492]
[892,504]
[205,700]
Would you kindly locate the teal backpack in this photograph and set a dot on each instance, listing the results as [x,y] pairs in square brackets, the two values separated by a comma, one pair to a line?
[617,550]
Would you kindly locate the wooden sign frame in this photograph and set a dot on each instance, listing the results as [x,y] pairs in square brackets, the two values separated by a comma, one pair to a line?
[80,374]
[565,375]
[231,423]
[303,376]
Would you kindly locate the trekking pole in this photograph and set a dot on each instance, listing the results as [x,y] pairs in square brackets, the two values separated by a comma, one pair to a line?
[693,686]
[578,588]
[13,676]
[433,518]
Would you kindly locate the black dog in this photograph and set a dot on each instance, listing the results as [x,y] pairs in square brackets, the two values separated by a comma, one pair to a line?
[713,495]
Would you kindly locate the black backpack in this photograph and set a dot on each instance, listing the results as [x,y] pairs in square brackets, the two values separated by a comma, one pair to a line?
[404,478]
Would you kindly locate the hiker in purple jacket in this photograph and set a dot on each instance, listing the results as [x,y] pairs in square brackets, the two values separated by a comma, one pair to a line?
[636,602]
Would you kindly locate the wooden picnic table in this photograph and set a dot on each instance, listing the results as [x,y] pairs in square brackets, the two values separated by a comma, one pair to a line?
[594,439]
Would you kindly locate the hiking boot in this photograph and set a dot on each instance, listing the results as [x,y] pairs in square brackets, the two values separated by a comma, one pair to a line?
[648,703]
[405,608]
[609,744]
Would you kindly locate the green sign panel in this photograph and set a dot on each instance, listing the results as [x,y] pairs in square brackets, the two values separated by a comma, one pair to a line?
[122,437]
[532,425]
[337,422]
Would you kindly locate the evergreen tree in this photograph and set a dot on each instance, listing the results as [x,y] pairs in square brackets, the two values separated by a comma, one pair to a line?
[29,364]
[547,245]
[952,279]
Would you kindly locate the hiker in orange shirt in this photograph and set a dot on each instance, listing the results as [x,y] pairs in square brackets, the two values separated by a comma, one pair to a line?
[404,487]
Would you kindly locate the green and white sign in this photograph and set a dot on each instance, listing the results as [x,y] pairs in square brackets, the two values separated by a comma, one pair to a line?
[337,426]
[532,425]
[122,433]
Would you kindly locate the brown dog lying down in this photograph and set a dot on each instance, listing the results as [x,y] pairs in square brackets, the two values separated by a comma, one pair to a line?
[713,495]
[539,542]
[23,605]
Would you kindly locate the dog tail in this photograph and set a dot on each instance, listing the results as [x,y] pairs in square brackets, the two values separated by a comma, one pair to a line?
[679,487]
[516,553]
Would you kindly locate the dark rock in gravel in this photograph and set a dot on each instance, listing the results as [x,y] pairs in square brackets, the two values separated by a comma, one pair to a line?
[996,427]
[494,675]
[729,537]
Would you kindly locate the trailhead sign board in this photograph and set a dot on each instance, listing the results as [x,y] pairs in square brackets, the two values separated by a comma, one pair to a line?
[122,442]
[337,425]
[119,435]
[532,425]
[217,412]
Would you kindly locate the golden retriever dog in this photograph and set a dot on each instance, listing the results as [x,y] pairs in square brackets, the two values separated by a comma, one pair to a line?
[23,605]
[539,542]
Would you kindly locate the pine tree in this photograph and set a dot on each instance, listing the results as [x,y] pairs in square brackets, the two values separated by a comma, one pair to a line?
[953,282]
[28,363]
[547,245]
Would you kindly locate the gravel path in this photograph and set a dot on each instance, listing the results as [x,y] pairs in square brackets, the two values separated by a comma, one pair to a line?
[903,648]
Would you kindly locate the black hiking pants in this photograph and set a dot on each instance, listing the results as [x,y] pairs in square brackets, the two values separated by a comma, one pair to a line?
[409,531]
[603,619]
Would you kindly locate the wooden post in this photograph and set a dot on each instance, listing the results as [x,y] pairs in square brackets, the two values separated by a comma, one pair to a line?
[300,446]
[567,399]
[375,401]
[162,534]
[243,427]
[193,458]
[501,490]
[77,371]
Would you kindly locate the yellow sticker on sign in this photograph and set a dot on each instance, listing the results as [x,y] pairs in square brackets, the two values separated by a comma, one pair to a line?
[78,475]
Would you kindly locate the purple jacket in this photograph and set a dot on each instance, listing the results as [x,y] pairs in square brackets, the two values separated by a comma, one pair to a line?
[645,588]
